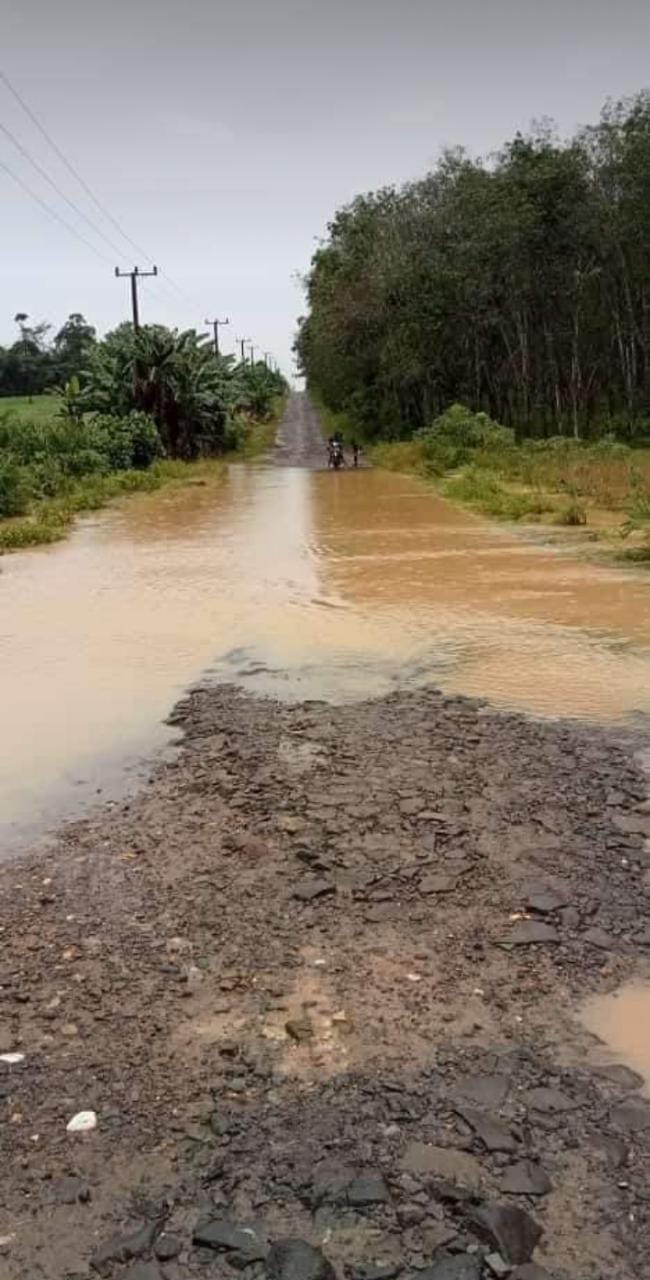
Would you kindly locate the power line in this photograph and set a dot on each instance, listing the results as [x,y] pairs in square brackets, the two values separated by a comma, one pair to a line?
[54,213]
[163,278]
[70,167]
[106,213]
[72,204]
[55,187]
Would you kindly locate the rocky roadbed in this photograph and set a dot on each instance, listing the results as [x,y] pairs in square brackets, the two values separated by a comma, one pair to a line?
[317,982]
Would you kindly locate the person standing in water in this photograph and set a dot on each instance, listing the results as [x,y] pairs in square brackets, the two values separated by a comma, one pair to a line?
[355,453]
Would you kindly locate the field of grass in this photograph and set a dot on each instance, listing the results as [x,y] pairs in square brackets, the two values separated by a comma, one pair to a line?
[37,409]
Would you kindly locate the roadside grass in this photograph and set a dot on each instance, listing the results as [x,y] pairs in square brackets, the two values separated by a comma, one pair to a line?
[402,455]
[564,482]
[50,520]
[566,485]
[480,489]
[254,438]
[604,474]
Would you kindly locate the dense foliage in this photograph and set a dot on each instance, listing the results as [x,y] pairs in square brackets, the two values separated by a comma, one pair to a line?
[520,287]
[193,396]
[40,460]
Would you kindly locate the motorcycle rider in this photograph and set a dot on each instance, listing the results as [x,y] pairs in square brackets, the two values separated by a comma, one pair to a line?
[335,455]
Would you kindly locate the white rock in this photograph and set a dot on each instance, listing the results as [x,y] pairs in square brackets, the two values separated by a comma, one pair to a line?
[83,1122]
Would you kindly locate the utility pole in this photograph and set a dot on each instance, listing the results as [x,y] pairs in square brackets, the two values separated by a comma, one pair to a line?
[134,276]
[241,342]
[252,348]
[268,355]
[214,325]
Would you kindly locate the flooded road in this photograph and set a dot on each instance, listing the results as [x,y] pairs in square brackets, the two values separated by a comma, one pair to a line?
[297,584]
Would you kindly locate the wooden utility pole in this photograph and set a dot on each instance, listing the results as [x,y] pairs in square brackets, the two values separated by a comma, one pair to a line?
[252,348]
[134,276]
[214,325]
[242,342]
[268,355]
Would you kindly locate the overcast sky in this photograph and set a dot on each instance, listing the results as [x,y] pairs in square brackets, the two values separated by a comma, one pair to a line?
[222,136]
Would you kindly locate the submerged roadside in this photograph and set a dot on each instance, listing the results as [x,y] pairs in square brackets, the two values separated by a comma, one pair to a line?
[51,518]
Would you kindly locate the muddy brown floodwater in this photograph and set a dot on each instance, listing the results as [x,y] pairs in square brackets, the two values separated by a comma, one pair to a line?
[621,1021]
[296,584]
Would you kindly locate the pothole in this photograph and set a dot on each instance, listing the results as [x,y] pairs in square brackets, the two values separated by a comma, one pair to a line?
[621,1021]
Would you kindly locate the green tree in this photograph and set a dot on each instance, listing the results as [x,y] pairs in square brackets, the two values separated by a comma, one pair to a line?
[519,287]
[25,367]
[71,346]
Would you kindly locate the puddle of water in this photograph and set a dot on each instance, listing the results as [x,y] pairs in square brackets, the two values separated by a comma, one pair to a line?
[295,584]
[622,1022]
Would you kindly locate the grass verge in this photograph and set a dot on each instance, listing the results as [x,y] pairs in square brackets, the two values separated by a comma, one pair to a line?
[563,482]
[255,438]
[481,490]
[51,519]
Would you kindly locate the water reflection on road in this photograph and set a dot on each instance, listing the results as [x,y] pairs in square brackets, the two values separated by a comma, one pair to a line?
[295,584]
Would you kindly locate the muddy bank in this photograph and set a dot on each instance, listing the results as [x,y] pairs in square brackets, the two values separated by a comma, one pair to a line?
[318,979]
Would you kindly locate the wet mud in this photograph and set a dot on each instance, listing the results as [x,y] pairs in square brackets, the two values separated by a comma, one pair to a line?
[356,935]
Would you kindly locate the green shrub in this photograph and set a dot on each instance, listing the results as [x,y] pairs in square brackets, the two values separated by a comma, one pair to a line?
[456,435]
[127,442]
[235,434]
[46,476]
[14,488]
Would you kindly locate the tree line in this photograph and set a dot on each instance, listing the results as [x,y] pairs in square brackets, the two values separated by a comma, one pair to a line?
[34,362]
[519,286]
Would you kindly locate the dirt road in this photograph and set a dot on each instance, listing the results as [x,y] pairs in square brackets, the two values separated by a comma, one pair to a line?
[300,441]
[318,980]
